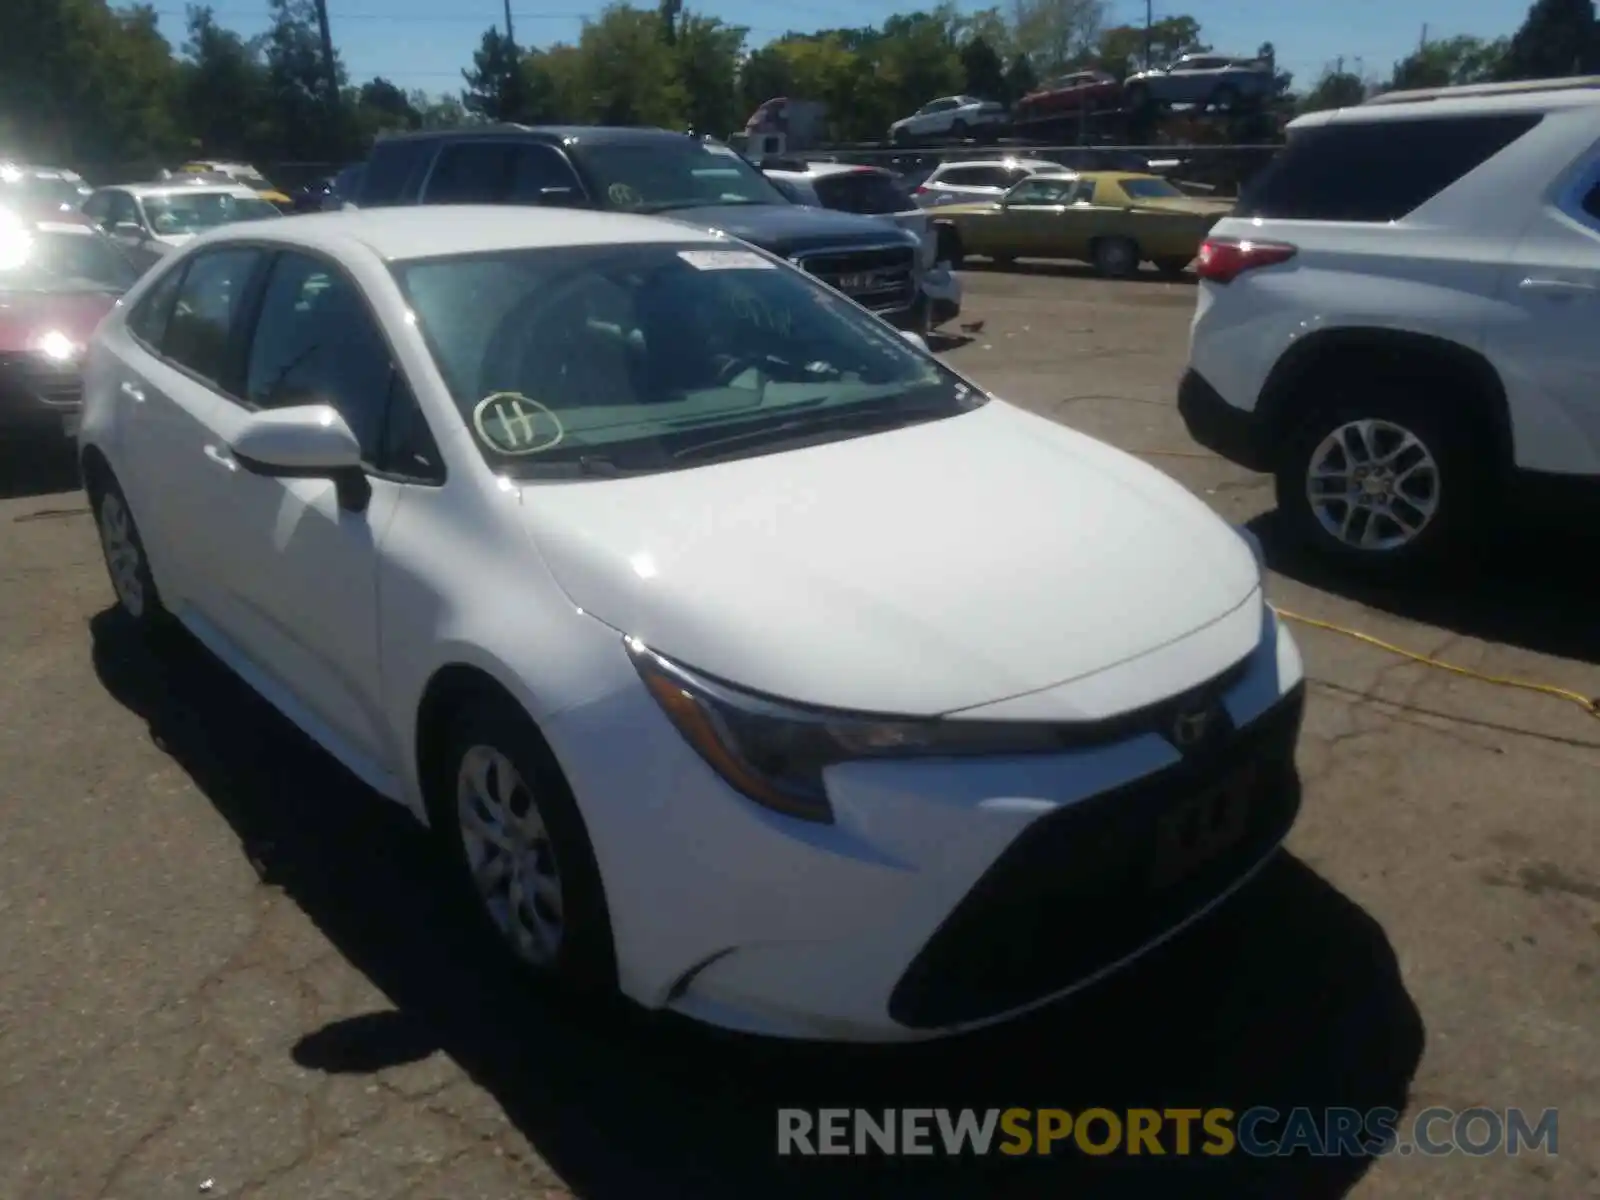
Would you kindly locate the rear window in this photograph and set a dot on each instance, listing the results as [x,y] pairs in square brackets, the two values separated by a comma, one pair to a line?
[867,193]
[388,177]
[1376,171]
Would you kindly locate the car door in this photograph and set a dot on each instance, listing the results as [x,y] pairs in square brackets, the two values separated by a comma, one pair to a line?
[1029,225]
[300,568]
[1545,334]
[176,388]
[1084,217]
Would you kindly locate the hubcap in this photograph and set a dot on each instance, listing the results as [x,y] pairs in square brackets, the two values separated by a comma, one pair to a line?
[122,554]
[1373,485]
[1116,256]
[509,853]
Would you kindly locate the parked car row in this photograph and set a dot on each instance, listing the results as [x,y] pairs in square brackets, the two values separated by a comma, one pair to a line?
[1206,80]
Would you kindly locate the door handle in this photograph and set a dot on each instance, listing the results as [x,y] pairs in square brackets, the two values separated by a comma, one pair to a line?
[1558,287]
[133,392]
[221,458]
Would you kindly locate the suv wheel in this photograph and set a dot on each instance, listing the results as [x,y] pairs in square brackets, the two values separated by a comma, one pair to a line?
[1381,481]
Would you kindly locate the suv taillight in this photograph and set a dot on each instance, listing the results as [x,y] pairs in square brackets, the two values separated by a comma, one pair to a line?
[921,190]
[1222,260]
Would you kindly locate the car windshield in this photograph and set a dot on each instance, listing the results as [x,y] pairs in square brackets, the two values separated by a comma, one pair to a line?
[642,358]
[1150,189]
[197,211]
[45,260]
[34,192]
[666,173]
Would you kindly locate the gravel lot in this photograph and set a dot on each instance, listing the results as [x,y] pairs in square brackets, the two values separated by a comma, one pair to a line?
[224,962]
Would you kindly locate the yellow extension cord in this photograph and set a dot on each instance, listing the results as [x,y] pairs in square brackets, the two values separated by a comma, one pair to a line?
[1589,704]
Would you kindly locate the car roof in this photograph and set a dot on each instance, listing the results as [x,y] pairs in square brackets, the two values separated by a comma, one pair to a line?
[1010,160]
[592,134]
[429,231]
[817,169]
[145,190]
[1534,96]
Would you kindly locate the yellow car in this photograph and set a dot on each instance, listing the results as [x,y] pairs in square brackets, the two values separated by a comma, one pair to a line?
[1112,219]
[241,173]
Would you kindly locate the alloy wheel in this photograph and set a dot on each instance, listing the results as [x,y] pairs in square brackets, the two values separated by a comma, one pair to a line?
[510,855]
[124,560]
[1373,485]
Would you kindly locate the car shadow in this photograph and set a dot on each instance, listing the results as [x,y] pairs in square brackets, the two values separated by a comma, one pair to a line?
[1532,591]
[940,340]
[38,466]
[1289,995]
[1071,270]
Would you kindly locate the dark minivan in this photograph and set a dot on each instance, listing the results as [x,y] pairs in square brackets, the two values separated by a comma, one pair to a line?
[653,172]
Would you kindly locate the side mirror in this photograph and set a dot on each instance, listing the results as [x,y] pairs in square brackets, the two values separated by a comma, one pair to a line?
[128,229]
[915,338]
[307,441]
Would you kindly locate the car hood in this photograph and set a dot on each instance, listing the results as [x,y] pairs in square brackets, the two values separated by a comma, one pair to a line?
[26,317]
[787,228]
[919,571]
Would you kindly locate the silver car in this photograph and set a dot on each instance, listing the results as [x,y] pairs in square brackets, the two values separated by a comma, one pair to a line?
[1215,80]
[975,181]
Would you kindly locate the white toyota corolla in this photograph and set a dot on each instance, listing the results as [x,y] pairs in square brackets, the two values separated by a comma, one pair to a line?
[744,656]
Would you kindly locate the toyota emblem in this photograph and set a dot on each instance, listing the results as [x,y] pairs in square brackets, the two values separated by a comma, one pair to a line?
[1189,728]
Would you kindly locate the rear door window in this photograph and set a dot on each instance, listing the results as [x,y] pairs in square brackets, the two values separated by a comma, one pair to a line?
[471,173]
[866,192]
[1376,171]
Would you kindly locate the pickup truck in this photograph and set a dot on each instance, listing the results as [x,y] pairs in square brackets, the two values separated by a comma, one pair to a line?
[654,172]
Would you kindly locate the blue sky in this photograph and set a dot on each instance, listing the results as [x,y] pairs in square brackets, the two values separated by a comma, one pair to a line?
[424,44]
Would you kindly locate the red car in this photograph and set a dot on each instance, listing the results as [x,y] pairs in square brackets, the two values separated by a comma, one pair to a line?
[1070,94]
[58,277]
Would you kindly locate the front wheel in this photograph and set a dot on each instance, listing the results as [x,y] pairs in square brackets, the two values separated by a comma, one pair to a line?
[127,562]
[950,248]
[1381,481]
[509,821]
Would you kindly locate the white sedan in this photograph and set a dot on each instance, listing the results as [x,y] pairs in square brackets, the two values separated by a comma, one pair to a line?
[745,658]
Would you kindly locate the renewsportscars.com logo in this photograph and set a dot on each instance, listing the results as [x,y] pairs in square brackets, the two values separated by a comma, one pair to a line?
[1214,1132]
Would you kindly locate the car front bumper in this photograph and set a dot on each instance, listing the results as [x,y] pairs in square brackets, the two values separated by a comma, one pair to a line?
[947,895]
[38,398]
[1238,435]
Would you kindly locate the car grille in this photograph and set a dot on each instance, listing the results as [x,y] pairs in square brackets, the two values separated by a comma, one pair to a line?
[877,277]
[1076,892]
[33,377]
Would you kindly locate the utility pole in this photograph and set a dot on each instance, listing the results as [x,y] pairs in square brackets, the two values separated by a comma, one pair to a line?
[510,37]
[1149,21]
[1423,44]
[331,75]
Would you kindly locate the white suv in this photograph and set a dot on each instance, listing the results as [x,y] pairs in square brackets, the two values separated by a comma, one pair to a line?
[1401,317]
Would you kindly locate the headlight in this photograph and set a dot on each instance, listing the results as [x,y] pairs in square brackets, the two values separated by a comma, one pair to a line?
[57,346]
[775,753]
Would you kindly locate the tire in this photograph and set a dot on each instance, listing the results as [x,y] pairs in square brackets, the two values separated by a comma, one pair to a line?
[1444,501]
[127,562]
[497,773]
[1173,268]
[1115,257]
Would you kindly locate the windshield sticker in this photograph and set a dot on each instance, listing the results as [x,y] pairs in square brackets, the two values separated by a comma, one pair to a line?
[624,196]
[512,423]
[725,260]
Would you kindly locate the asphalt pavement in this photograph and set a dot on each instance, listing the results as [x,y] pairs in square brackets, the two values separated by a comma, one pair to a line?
[227,969]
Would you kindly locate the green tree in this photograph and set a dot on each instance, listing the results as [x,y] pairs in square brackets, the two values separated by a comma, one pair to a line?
[627,70]
[298,90]
[707,53]
[983,68]
[494,88]
[1021,78]
[381,106]
[1057,34]
[1336,89]
[1449,62]
[1558,38]
[222,91]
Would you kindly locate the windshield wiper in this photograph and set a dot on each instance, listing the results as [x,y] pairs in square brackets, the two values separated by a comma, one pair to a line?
[818,427]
